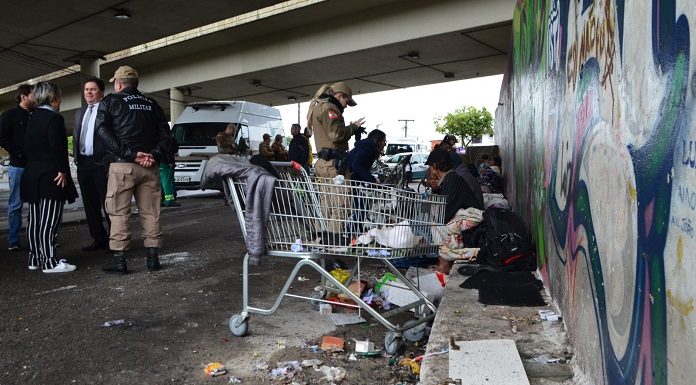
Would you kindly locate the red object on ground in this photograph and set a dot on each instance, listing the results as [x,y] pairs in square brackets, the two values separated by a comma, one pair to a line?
[331,343]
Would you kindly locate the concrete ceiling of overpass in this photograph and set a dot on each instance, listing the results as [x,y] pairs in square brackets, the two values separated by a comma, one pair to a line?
[38,37]
[464,54]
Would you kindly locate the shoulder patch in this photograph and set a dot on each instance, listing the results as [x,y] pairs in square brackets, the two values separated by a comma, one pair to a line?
[333,115]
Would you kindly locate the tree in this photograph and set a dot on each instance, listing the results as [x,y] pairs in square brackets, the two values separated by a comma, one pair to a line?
[466,124]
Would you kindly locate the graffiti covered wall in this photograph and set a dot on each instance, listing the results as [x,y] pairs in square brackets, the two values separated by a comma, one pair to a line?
[597,133]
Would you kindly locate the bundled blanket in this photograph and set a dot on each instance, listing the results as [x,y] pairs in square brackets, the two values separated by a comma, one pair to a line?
[450,239]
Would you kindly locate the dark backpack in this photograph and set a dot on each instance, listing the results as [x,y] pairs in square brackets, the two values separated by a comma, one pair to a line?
[506,244]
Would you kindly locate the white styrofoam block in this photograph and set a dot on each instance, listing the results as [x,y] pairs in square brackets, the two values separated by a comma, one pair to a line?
[426,281]
[487,362]
[400,295]
[325,309]
[364,346]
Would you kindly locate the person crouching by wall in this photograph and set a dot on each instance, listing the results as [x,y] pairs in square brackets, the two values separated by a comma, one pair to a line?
[46,182]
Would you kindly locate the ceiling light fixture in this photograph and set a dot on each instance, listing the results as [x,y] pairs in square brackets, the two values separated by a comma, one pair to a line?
[292,99]
[449,75]
[413,55]
[122,14]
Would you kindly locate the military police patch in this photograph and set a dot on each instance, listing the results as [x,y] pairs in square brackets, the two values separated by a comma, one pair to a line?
[333,115]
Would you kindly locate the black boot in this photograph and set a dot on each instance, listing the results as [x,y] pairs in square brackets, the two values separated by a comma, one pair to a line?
[118,265]
[152,259]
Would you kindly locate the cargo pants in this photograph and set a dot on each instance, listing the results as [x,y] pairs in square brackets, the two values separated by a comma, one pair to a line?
[334,200]
[128,180]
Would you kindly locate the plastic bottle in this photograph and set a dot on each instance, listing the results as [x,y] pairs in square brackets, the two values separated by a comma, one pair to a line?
[297,246]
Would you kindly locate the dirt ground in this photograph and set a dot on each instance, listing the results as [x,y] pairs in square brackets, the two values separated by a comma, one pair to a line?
[175,321]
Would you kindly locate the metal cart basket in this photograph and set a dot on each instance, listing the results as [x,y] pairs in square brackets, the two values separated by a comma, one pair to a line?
[312,219]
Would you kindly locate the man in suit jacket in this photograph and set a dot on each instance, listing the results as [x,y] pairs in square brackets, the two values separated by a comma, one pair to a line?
[92,174]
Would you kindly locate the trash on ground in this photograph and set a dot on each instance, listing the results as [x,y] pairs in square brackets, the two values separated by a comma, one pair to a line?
[424,356]
[302,279]
[286,369]
[364,346]
[234,380]
[357,287]
[428,281]
[332,344]
[341,275]
[341,319]
[352,357]
[260,366]
[369,297]
[114,322]
[314,362]
[549,315]
[332,373]
[415,366]
[386,278]
[400,295]
[215,369]
[325,309]
[546,359]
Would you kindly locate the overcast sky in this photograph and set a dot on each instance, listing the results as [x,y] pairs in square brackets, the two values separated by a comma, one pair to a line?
[423,104]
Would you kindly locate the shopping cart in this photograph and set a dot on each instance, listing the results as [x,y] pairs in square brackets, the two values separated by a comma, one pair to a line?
[312,219]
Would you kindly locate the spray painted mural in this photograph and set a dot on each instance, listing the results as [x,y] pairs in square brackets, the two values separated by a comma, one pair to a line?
[597,130]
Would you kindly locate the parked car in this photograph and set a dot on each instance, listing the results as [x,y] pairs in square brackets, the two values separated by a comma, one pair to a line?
[418,167]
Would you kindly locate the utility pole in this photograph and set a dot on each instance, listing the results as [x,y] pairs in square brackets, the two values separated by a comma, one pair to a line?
[406,126]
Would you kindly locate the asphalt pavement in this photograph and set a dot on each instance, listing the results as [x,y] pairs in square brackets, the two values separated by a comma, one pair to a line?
[201,237]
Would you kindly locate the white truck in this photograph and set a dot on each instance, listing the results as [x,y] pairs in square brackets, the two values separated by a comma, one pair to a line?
[199,123]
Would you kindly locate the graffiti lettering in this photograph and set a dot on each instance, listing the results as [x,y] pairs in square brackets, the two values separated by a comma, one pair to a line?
[597,40]
[689,155]
[683,224]
[688,197]
[553,53]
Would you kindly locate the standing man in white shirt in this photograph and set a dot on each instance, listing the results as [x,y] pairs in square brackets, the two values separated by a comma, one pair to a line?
[92,174]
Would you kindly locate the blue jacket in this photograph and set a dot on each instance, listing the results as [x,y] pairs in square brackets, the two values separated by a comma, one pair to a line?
[360,160]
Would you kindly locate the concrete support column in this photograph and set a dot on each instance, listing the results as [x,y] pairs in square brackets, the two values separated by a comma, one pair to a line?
[176,104]
[89,66]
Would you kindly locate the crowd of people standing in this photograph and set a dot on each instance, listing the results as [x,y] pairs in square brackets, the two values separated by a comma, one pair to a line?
[121,142]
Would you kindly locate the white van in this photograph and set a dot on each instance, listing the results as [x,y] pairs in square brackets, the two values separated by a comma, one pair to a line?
[199,123]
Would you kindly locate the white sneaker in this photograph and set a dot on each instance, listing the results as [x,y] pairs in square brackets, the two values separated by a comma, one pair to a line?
[62,267]
[32,267]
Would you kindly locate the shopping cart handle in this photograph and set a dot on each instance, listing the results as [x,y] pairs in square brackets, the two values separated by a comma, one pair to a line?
[292,164]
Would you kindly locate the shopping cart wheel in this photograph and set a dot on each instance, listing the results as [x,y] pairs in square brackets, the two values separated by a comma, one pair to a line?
[239,326]
[415,333]
[392,342]
[314,302]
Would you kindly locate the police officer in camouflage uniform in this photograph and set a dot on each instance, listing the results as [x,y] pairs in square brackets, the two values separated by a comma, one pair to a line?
[331,134]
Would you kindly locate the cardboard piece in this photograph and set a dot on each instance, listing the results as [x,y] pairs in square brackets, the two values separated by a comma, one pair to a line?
[341,319]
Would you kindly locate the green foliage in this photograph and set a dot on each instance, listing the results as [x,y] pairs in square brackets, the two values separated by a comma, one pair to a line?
[70,145]
[466,124]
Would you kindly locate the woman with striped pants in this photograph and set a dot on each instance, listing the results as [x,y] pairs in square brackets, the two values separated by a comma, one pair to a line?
[46,181]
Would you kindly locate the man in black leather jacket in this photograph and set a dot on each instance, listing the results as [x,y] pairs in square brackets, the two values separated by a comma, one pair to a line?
[135,134]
